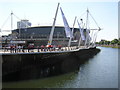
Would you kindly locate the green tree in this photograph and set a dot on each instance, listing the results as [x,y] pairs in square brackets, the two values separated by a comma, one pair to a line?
[107,42]
[119,42]
[115,41]
[102,42]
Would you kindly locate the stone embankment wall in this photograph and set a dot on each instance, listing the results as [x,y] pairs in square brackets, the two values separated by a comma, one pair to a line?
[32,66]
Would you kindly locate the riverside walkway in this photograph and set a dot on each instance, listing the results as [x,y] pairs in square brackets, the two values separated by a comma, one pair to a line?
[45,50]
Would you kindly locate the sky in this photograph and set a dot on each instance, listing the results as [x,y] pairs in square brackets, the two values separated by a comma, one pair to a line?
[42,13]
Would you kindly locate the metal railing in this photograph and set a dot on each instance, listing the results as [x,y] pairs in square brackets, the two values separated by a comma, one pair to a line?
[28,50]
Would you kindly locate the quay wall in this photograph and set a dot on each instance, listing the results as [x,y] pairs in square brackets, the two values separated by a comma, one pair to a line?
[39,65]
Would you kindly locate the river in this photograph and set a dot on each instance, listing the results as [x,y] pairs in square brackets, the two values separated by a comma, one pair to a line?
[101,71]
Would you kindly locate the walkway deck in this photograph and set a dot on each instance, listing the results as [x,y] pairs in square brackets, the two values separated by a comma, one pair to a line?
[33,51]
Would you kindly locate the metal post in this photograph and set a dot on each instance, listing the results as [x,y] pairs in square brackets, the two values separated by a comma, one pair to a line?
[95,39]
[80,34]
[86,28]
[69,43]
[53,27]
[79,42]
[11,21]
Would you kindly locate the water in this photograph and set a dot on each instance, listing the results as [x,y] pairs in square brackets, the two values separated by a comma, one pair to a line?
[99,72]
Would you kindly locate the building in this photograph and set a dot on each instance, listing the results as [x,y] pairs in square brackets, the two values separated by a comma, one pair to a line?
[41,32]
[40,36]
[23,24]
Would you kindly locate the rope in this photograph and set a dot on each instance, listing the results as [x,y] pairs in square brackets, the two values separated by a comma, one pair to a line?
[16,16]
[94,20]
[82,15]
[20,20]
[5,21]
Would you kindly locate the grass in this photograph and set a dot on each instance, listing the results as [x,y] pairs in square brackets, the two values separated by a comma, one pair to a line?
[110,46]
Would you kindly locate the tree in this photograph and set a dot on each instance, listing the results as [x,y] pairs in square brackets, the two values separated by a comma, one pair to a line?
[119,42]
[102,42]
[115,41]
[107,42]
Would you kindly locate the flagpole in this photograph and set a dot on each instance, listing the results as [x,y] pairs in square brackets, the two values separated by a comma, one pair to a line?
[69,43]
[53,27]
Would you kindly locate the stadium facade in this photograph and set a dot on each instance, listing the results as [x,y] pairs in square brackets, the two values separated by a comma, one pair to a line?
[40,35]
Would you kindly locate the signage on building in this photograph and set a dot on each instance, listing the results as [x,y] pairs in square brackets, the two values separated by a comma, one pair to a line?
[17,42]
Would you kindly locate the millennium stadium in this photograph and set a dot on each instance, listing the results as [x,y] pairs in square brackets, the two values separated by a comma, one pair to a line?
[40,35]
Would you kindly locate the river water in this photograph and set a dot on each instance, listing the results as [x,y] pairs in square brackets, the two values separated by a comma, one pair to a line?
[101,71]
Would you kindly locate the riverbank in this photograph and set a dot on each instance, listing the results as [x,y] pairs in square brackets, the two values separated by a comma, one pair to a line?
[112,46]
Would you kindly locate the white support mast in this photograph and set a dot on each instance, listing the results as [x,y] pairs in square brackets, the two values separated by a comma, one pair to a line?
[53,27]
[69,43]
[95,39]
[80,33]
[11,21]
[86,28]
[79,42]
